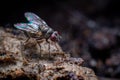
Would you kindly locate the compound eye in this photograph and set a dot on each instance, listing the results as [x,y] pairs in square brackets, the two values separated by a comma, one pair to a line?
[53,38]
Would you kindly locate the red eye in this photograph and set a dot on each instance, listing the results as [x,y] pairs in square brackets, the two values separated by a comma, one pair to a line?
[53,38]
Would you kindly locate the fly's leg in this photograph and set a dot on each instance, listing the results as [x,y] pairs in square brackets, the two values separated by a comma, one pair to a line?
[27,40]
[39,40]
[48,47]
[27,34]
[56,46]
[39,46]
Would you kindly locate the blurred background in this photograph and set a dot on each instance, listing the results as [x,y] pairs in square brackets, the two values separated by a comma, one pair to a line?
[90,28]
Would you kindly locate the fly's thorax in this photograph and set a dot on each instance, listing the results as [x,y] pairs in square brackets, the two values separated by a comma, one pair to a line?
[43,28]
[47,32]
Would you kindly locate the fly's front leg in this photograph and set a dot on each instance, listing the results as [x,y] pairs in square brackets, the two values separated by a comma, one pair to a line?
[56,46]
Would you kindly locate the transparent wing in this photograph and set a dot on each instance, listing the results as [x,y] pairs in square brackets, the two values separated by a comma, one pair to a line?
[26,27]
[33,18]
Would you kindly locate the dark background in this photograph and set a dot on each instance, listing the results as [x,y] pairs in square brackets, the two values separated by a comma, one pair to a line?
[12,10]
[90,28]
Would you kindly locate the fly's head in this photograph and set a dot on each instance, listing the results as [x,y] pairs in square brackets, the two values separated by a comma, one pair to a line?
[55,36]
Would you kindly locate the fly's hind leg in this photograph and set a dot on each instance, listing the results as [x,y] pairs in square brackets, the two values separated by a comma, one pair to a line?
[39,46]
[27,34]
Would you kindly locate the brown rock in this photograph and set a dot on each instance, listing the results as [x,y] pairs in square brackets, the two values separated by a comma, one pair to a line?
[38,60]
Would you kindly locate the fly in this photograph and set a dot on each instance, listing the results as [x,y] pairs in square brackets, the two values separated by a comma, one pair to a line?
[35,25]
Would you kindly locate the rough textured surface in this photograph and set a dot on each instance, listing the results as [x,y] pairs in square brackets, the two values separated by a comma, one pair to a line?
[38,60]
